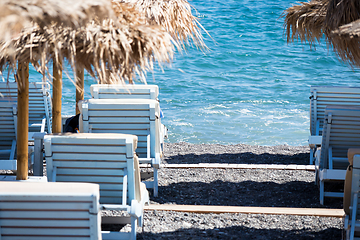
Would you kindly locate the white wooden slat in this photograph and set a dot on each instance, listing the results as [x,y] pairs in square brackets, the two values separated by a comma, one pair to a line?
[46,205]
[89,179]
[128,96]
[92,171]
[49,222]
[125,92]
[125,131]
[120,119]
[90,164]
[109,194]
[50,232]
[63,214]
[8,164]
[89,156]
[87,149]
[88,141]
[43,238]
[110,200]
[111,186]
[110,106]
[125,126]
[118,113]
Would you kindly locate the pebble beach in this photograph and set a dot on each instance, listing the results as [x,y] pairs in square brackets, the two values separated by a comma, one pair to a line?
[238,187]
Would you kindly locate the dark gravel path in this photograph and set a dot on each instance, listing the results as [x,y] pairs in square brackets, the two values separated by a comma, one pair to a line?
[237,187]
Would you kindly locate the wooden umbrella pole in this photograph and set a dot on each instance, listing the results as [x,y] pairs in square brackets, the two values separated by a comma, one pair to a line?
[23,121]
[79,87]
[57,92]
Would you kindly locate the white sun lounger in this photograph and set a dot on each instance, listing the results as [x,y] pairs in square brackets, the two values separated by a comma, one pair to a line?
[341,131]
[122,91]
[322,96]
[42,210]
[351,196]
[105,159]
[40,115]
[130,116]
[8,121]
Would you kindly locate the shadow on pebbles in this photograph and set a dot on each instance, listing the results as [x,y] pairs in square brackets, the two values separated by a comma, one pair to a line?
[238,187]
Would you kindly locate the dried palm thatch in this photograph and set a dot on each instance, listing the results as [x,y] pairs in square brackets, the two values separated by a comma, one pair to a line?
[344,16]
[336,19]
[17,14]
[109,52]
[174,15]
[306,21]
[351,30]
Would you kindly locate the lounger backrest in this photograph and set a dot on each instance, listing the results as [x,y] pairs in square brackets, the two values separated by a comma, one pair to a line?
[130,116]
[322,96]
[105,159]
[8,121]
[114,91]
[341,132]
[348,193]
[43,210]
[39,101]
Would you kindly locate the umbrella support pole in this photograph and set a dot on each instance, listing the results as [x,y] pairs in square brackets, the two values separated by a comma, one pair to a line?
[79,87]
[23,121]
[57,92]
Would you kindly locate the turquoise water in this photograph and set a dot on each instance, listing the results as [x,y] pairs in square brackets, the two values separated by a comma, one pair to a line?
[251,86]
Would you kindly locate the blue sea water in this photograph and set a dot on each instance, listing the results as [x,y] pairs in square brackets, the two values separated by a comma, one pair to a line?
[251,86]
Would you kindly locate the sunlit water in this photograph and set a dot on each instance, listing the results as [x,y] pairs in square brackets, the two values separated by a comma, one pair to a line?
[251,86]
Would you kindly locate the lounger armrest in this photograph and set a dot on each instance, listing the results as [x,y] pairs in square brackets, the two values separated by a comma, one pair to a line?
[136,209]
[315,141]
[117,207]
[156,161]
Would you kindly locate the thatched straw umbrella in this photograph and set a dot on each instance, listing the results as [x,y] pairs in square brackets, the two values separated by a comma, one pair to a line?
[336,19]
[17,14]
[111,50]
[174,15]
[306,21]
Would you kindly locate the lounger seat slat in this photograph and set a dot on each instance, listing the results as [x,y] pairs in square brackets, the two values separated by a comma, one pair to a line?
[46,205]
[84,156]
[34,215]
[120,113]
[89,164]
[76,223]
[109,119]
[96,171]
[50,232]
[85,149]
[89,178]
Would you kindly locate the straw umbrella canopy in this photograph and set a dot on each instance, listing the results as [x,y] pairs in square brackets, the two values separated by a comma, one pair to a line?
[110,53]
[18,14]
[336,19]
[174,15]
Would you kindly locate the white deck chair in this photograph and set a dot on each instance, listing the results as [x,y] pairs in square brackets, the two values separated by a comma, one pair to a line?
[8,122]
[121,91]
[351,196]
[130,116]
[40,110]
[341,131]
[322,96]
[106,159]
[42,210]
